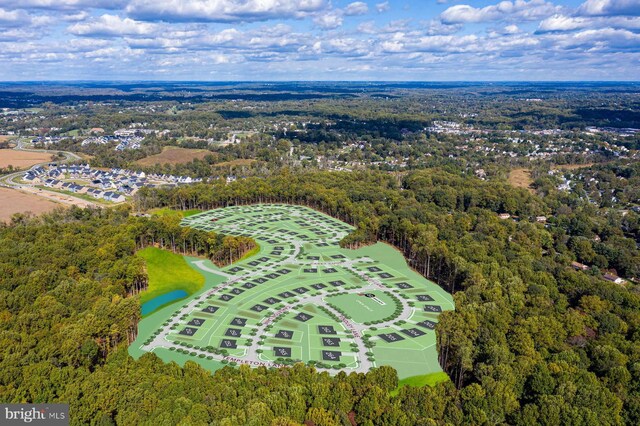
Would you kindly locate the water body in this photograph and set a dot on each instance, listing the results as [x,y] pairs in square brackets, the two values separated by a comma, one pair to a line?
[162,300]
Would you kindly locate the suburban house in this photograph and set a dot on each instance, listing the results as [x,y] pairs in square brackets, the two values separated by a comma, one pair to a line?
[95,193]
[113,196]
[579,266]
[613,278]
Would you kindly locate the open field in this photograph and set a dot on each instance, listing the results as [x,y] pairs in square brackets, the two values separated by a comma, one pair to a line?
[300,298]
[13,201]
[168,272]
[22,159]
[521,178]
[422,380]
[174,213]
[174,155]
[572,166]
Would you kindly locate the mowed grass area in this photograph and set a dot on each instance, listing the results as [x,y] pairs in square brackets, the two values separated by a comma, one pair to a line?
[174,155]
[168,272]
[364,309]
[177,213]
[431,379]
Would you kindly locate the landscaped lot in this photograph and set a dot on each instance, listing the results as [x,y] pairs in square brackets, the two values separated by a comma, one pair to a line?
[301,298]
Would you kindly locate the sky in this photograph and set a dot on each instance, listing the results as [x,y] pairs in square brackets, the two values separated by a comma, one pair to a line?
[284,40]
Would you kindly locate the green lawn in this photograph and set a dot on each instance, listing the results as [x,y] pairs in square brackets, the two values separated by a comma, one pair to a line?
[171,212]
[431,379]
[167,272]
[363,309]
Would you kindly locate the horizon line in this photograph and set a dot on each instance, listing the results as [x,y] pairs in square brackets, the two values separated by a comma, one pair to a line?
[311,81]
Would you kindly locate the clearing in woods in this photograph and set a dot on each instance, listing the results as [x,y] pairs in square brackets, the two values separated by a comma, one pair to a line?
[174,155]
[521,178]
[300,298]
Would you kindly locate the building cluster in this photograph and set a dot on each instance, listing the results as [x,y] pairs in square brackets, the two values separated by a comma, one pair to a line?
[111,185]
[449,127]
[127,138]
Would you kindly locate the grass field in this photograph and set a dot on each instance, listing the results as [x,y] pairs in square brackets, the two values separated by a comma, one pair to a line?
[176,213]
[364,309]
[521,178]
[174,155]
[167,272]
[423,380]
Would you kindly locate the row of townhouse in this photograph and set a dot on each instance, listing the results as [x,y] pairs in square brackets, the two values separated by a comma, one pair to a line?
[81,189]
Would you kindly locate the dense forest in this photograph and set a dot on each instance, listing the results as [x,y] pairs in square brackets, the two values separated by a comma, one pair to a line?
[532,341]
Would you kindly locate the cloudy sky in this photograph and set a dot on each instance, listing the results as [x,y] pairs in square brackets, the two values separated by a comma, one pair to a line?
[319,40]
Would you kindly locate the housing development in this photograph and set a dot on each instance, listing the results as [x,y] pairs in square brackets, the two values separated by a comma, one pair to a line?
[301,297]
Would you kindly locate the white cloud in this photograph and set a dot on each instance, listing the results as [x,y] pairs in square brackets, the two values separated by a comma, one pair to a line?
[511,29]
[561,23]
[383,7]
[64,4]
[11,18]
[222,10]
[604,39]
[356,8]
[505,10]
[329,21]
[112,26]
[610,7]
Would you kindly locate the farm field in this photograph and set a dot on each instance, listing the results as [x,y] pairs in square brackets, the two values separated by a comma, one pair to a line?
[174,155]
[13,201]
[22,159]
[300,298]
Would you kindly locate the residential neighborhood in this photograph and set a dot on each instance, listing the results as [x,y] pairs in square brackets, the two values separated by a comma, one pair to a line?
[113,185]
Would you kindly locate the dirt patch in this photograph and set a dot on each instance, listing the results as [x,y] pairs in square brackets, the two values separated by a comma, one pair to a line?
[22,159]
[12,201]
[4,138]
[174,155]
[521,178]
